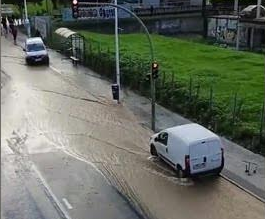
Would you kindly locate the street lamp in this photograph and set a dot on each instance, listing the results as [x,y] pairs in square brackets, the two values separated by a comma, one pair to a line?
[27,24]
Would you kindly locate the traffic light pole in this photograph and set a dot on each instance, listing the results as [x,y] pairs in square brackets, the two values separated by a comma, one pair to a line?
[117,51]
[27,24]
[153,87]
[153,102]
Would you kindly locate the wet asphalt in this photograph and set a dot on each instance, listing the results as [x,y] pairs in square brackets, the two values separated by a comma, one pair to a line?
[69,151]
[40,179]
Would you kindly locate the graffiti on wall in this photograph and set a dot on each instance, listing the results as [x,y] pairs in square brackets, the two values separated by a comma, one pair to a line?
[224,30]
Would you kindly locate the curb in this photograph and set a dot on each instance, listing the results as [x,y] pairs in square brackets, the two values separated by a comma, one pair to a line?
[242,188]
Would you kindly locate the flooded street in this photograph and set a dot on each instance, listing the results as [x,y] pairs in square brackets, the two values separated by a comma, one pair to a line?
[56,112]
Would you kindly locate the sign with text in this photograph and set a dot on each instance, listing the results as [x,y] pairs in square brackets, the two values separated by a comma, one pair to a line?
[97,12]
[101,12]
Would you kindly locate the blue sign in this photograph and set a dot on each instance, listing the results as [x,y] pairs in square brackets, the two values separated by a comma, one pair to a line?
[67,14]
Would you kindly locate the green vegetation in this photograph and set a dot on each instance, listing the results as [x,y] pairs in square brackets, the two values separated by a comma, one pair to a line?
[226,70]
[219,88]
[40,7]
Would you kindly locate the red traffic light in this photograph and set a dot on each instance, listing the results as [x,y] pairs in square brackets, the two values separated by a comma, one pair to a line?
[75,9]
[155,70]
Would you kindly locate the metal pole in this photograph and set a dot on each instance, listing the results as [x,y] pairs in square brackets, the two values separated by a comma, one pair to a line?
[238,34]
[236,11]
[205,20]
[47,7]
[153,88]
[117,50]
[27,24]
[258,8]
[153,102]
[236,7]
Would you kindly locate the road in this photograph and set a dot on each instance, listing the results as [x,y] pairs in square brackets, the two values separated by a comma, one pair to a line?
[69,151]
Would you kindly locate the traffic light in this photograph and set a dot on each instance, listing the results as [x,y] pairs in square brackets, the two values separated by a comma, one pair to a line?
[155,70]
[75,8]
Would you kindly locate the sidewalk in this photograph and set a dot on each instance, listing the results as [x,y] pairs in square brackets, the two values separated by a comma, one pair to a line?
[234,169]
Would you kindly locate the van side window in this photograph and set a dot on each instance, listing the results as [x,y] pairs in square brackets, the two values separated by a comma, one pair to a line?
[163,137]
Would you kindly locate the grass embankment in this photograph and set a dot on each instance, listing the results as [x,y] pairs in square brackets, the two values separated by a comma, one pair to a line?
[198,68]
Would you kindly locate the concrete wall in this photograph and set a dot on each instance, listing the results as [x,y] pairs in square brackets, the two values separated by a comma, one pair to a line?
[151,2]
[195,2]
[174,26]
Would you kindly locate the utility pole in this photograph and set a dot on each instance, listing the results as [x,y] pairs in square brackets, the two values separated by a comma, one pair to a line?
[47,7]
[205,20]
[258,8]
[153,77]
[27,24]
[236,12]
[150,46]
[236,7]
[117,50]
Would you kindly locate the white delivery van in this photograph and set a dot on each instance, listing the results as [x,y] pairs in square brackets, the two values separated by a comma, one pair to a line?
[190,149]
[36,51]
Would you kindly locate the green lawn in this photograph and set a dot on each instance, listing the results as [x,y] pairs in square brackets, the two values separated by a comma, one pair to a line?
[228,71]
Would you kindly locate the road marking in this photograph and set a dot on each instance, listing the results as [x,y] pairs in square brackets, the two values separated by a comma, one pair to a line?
[68,205]
[58,204]
[55,69]
[5,149]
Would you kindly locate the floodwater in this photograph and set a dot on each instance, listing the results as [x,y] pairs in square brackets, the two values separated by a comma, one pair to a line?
[87,124]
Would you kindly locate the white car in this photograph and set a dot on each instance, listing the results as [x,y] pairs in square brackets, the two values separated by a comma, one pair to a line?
[36,51]
[190,149]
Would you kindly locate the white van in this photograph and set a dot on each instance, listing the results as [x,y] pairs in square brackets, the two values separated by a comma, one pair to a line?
[190,149]
[36,51]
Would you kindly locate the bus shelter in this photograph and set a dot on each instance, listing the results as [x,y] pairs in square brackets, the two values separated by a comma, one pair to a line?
[73,42]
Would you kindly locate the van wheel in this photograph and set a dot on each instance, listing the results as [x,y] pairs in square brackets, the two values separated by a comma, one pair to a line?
[47,62]
[153,150]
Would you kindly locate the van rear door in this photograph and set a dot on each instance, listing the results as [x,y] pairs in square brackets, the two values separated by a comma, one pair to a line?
[198,157]
[205,156]
[215,155]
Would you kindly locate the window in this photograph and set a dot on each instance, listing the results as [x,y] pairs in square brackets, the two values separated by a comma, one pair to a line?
[163,137]
[35,47]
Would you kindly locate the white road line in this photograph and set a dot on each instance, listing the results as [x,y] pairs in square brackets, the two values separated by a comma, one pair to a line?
[55,69]
[59,206]
[5,149]
[68,205]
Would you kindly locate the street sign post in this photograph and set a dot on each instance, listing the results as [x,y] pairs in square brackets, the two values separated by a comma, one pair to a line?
[76,14]
[84,4]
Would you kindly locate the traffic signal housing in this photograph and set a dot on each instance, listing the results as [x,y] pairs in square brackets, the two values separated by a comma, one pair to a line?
[75,8]
[155,70]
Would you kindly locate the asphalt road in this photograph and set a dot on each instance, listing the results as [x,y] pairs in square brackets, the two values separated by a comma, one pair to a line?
[38,178]
[69,151]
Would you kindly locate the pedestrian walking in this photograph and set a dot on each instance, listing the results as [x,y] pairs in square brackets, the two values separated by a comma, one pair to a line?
[13,28]
[11,24]
[14,33]
[4,23]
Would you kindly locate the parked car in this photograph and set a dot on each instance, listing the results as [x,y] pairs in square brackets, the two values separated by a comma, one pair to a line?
[190,149]
[36,51]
